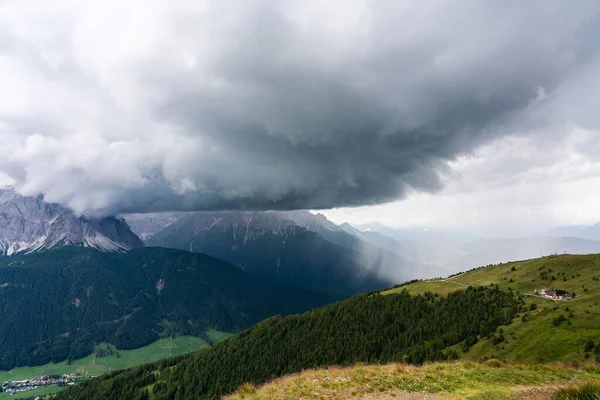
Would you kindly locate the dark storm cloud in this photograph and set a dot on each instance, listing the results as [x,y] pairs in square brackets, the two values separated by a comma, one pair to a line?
[279,105]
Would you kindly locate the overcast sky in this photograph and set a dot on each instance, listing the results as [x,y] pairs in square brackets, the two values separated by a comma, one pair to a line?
[450,112]
[492,190]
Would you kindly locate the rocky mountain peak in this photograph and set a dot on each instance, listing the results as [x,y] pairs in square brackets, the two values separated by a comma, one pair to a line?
[28,224]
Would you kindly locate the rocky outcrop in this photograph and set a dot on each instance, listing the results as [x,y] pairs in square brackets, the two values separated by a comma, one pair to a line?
[29,224]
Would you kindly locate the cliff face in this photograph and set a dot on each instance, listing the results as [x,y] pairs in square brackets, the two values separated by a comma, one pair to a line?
[29,223]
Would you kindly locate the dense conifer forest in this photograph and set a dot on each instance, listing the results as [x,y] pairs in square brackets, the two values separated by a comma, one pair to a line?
[370,328]
[55,305]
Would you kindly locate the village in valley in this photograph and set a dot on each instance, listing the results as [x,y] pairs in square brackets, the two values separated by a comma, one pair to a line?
[12,387]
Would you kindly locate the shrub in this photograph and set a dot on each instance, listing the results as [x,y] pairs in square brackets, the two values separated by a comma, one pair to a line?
[558,320]
[494,363]
[498,339]
[589,346]
[452,354]
[246,389]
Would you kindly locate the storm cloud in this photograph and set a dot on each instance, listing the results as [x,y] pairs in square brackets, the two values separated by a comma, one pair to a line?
[138,106]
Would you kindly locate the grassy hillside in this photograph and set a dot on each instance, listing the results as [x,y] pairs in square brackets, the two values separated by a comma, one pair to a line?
[534,336]
[492,380]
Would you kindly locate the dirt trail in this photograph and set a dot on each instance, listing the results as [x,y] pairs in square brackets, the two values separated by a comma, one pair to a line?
[401,395]
[169,347]
[532,393]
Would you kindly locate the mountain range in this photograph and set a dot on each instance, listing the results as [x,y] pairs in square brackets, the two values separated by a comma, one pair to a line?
[589,232]
[297,247]
[291,247]
[451,251]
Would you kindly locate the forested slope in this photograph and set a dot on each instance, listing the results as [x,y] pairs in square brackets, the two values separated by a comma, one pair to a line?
[57,304]
[365,328]
[277,249]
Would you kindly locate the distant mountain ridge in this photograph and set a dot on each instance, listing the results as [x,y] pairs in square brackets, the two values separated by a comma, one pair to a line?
[29,224]
[456,250]
[146,225]
[291,247]
[589,232]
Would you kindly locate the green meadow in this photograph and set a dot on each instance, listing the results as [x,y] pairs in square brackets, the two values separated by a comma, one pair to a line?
[106,358]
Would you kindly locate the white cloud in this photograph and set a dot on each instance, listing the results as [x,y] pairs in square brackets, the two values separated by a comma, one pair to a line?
[5,181]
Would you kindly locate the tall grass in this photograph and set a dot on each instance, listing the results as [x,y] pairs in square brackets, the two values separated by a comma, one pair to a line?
[584,392]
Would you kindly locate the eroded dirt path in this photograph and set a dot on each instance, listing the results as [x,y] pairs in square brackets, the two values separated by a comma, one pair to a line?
[400,395]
